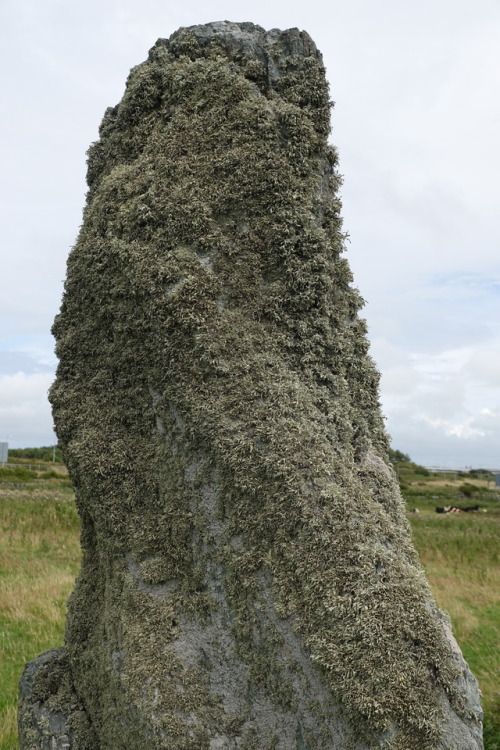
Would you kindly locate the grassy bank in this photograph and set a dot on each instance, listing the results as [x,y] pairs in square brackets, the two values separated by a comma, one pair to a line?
[39,559]
[461,556]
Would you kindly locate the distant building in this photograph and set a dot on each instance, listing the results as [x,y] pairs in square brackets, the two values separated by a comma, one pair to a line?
[497,479]
[4,453]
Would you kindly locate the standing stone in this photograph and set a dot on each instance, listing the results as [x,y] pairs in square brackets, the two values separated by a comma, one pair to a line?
[248,578]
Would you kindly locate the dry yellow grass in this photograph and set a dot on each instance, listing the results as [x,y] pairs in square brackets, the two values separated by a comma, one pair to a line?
[454,482]
[466,600]
[461,555]
[27,596]
[8,726]
[39,558]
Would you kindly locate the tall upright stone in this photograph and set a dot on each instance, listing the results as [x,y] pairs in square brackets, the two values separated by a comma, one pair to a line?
[248,578]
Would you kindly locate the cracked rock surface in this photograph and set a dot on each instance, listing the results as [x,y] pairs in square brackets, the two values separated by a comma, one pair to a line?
[248,578]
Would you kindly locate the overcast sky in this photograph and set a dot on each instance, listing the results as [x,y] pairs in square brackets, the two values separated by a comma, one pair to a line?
[416,123]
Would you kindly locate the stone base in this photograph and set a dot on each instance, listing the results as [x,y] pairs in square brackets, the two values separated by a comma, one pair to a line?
[51,716]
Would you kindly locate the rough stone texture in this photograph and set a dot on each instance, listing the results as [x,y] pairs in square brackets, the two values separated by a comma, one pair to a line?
[248,580]
[51,717]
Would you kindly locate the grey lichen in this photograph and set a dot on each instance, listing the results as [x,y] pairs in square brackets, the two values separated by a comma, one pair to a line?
[51,716]
[248,578]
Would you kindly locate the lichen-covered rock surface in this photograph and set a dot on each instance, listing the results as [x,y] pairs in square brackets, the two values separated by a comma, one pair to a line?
[248,580]
[51,716]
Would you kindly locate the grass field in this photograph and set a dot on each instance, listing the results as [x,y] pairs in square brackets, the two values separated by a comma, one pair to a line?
[39,559]
[461,558]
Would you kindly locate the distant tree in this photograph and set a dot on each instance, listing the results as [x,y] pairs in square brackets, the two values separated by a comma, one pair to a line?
[46,453]
[398,456]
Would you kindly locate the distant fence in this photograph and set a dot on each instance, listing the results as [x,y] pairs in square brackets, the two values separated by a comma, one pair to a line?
[30,467]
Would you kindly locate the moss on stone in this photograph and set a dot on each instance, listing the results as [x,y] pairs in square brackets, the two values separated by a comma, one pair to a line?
[50,711]
[219,415]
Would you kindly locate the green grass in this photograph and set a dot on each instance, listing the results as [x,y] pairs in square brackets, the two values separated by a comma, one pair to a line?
[39,559]
[461,556]
[16,474]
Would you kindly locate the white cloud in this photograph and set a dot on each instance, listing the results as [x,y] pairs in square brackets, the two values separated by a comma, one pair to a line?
[25,418]
[443,408]
[484,365]
[464,430]
[471,441]
[27,354]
